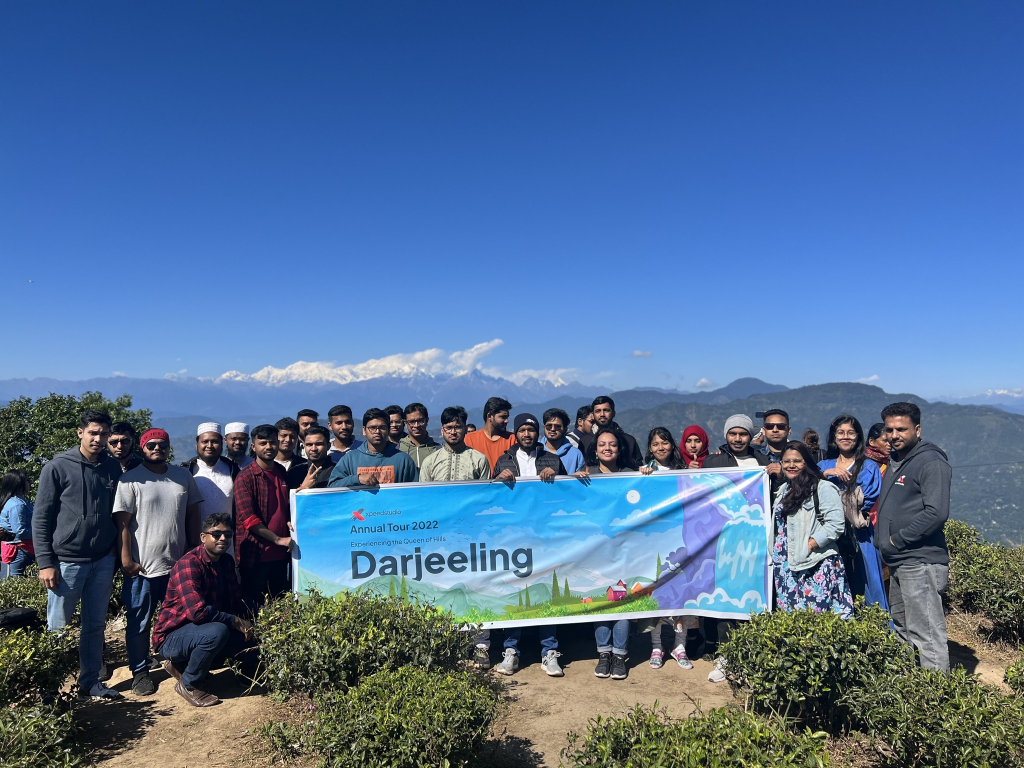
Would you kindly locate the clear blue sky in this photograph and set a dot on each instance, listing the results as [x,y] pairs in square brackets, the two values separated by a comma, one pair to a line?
[798,191]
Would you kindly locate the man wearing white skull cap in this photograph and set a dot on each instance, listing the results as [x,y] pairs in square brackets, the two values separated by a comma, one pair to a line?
[236,439]
[214,474]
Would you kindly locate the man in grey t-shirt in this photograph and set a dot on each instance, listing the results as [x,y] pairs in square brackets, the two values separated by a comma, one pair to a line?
[157,512]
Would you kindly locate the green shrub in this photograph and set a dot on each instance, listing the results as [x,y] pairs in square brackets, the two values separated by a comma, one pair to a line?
[325,644]
[31,661]
[399,717]
[715,739]
[960,537]
[801,663]
[24,592]
[38,737]
[933,718]
[989,579]
[1014,675]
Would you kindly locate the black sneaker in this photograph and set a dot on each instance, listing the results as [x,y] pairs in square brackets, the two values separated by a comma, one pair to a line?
[482,658]
[105,673]
[142,684]
[604,665]
[618,667]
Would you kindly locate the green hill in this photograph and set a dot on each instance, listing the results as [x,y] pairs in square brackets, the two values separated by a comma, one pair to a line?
[985,445]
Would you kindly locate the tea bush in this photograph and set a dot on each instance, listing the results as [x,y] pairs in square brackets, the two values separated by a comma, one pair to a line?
[933,718]
[398,717]
[714,739]
[1014,675]
[324,644]
[801,663]
[41,736]
[32,661]
[986,578]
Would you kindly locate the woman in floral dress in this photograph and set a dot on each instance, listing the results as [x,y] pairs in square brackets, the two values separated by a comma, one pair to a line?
[809,573]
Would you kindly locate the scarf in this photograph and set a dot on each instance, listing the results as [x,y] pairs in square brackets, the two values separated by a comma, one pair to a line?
[876,455]
[693,429]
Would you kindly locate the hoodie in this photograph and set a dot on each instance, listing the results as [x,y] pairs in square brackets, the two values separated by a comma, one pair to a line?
[72,522]
[570,455]
[417,452]
[913,507]
[346,471]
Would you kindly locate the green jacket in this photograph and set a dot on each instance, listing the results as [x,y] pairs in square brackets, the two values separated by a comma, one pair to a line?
[417,452]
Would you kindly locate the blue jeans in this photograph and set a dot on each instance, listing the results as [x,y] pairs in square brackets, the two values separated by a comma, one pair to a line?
[548,639]
[612,636]
[198,647]
[17,566]
[140,595]
[89,584]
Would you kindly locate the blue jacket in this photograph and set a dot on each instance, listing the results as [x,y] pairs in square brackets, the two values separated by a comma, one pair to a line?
[571,456]
[869,480]
[16,517]
[346,471]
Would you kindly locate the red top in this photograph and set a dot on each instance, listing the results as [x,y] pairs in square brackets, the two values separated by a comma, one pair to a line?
[492,449]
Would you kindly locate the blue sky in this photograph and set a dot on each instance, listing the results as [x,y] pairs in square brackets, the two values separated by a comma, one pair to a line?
[799,191]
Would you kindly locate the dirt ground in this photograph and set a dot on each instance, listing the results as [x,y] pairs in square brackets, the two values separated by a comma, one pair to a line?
[162,731]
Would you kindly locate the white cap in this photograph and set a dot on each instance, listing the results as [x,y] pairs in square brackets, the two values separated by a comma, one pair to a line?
[208,426]
[236,426]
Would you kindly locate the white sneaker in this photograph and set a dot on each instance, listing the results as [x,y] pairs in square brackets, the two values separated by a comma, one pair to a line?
[509,664]
[718,673]
[100,691]
[550,664]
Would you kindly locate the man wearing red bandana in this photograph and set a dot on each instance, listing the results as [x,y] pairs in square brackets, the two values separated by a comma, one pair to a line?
[157,514]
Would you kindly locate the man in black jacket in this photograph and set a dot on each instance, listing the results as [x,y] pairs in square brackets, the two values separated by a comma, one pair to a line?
[604,416]
[315,472]
[739,429]
[528,458]
[912,510]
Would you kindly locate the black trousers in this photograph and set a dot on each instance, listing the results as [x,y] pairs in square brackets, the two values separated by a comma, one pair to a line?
[259,581]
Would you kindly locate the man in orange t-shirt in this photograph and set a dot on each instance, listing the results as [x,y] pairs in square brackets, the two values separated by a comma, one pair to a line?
[492,439]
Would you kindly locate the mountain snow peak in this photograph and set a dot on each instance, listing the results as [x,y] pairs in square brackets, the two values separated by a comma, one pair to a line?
[430,362]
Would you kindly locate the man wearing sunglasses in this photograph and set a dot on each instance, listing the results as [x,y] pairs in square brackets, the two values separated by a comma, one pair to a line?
[121,445]
[157,514]
[199,625]
[776,435]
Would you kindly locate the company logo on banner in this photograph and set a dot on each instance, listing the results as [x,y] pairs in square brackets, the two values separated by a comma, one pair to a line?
[624,546]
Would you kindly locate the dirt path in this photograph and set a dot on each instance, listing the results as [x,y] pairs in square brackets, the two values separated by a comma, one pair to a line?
[162,731]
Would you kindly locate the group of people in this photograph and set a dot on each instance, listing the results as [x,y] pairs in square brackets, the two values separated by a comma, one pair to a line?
[211,539]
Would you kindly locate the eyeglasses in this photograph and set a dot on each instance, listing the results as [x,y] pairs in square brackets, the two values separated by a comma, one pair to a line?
[415,422]
[453,427]
[850,434]
[381,428]
[120,441]
[553,425]
[154,445]
[776,427]
[218,534]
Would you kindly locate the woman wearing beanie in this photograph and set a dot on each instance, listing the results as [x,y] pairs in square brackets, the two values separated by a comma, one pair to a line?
[809,573]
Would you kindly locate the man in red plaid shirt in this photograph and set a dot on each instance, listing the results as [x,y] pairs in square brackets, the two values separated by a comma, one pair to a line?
[199,625]
[263,522]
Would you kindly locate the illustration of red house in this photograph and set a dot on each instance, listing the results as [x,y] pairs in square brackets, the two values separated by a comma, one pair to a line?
[617,592]
[587,600]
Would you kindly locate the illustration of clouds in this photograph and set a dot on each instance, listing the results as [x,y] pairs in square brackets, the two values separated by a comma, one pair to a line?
[563,513]
[719,600]
[633,518]
[495,511]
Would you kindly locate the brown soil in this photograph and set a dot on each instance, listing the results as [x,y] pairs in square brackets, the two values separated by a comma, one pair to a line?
[162,731]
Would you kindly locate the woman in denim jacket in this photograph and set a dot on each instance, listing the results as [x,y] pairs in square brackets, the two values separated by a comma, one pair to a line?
[809,573]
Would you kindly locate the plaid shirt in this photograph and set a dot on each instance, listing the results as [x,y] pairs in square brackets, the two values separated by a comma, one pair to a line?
[193,594]
[252,490]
